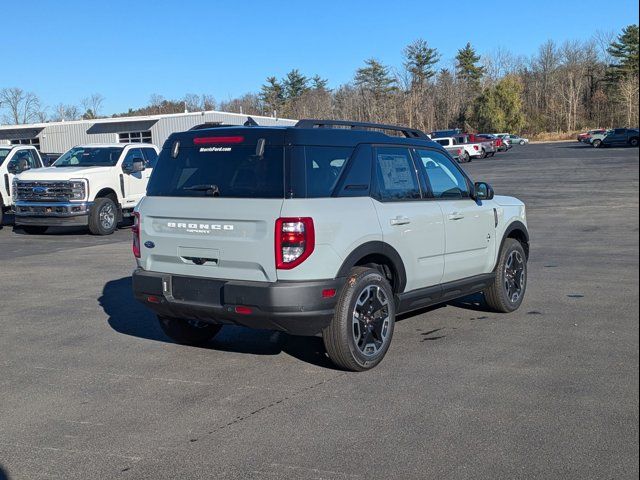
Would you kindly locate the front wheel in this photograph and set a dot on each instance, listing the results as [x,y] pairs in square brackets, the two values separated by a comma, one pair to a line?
[522,142]
[597,143]
[188,332]
[633,142]
[507,291]
[360,332]
[103,218]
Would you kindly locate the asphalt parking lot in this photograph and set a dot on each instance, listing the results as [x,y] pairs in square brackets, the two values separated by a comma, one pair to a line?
[90,387]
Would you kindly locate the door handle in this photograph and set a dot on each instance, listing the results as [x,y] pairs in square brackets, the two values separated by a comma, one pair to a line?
[400,220]
[456,216]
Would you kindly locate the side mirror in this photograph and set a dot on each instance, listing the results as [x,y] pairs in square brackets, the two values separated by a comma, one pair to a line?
[137,165]
[482,191]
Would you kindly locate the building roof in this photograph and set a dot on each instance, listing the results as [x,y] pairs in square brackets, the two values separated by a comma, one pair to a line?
[139,118]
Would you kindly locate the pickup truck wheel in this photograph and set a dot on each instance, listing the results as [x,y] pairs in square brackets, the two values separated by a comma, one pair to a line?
[188,332]
[507,291]
[33,229]
[1,212]
[360,332]
[103,218]
[597,143]
[633,142]
[465,158]
[484,154]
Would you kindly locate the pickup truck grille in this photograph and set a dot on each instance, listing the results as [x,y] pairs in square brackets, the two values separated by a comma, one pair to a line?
[48,191]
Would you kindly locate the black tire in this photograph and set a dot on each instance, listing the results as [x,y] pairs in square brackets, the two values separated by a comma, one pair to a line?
[509,281]
[492,154]
[465,157]
[522,142]
[33,229]
[597,143]
[188,332]
[1,213]
[103,219]
[483,154]
[633,142]
[359,343]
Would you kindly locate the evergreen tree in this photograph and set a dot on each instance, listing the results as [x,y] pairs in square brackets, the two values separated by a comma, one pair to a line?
[294,85]
[625,51]
[467,67]
[375,78]
[420,60]
[319,83]
[500,108]
[272,94]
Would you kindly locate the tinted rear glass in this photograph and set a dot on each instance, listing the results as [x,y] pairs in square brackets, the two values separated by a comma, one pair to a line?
[225,171]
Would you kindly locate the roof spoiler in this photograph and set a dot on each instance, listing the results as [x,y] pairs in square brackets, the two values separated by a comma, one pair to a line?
[406,131]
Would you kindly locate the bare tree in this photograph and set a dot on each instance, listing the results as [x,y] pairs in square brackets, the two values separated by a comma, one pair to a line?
[628,87]
[22,107]
[92,105]
[65,113]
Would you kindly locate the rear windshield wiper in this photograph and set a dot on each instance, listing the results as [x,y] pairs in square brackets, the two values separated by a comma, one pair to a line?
[212,190]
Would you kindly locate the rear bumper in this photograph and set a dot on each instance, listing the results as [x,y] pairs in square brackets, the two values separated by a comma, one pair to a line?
[297,308]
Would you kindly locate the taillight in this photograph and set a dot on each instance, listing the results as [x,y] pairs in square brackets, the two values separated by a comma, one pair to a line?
[136,234]
[475,147]
[294,241]
[217,140]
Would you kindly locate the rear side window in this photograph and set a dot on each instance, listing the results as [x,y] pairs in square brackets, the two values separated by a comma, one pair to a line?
[235,171]
[395,175]
[314,171]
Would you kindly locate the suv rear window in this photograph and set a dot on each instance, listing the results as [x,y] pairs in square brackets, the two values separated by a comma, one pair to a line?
[233,171]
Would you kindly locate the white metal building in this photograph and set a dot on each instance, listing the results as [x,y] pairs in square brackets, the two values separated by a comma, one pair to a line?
[58,137]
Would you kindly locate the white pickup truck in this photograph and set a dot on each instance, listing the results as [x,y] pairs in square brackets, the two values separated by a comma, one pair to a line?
[90,185]
[469,150]
[14,159]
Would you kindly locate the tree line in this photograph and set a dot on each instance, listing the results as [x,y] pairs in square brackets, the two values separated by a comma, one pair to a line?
[561,88]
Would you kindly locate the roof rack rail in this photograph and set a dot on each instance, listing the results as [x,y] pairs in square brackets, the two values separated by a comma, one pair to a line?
[406,131]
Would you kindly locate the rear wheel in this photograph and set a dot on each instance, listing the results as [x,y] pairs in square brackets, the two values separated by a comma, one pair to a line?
[633,142]
[33,229]
[483,154]
[465,158]
[360,332]
[188,332]
[507,291]
[103,218]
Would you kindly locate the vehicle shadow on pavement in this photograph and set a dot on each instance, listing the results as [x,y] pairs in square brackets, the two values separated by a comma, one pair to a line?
[130,317]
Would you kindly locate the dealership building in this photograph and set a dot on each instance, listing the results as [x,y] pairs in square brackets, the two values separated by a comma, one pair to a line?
[58,137]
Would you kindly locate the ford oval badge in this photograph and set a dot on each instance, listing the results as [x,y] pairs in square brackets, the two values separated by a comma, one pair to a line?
[149,244]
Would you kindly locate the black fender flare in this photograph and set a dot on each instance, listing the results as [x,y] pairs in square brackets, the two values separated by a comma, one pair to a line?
[376,248]
[512,227]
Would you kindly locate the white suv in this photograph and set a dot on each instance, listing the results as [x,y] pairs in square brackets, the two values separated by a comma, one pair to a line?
[315,229]
[92,185]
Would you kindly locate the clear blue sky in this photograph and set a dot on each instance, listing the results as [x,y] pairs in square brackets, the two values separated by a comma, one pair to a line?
[128,50]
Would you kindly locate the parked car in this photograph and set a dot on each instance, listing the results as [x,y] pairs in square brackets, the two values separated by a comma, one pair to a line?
[331,231]
[500,144]
[595,140]
[488,146]
[14,159]
[470,150]
[513,139]
[90,185]
[617,137]
[584,137]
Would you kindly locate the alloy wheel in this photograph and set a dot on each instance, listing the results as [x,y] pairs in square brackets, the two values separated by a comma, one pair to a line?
[514,276]
[371,320]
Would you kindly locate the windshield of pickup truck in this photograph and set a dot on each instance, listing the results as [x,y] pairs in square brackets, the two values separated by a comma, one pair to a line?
[4,153]
[89,157]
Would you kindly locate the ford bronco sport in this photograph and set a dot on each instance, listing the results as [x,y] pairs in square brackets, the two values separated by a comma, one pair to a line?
[328,227]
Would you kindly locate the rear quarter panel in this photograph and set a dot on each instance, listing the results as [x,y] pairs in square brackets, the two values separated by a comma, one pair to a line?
[341,225]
